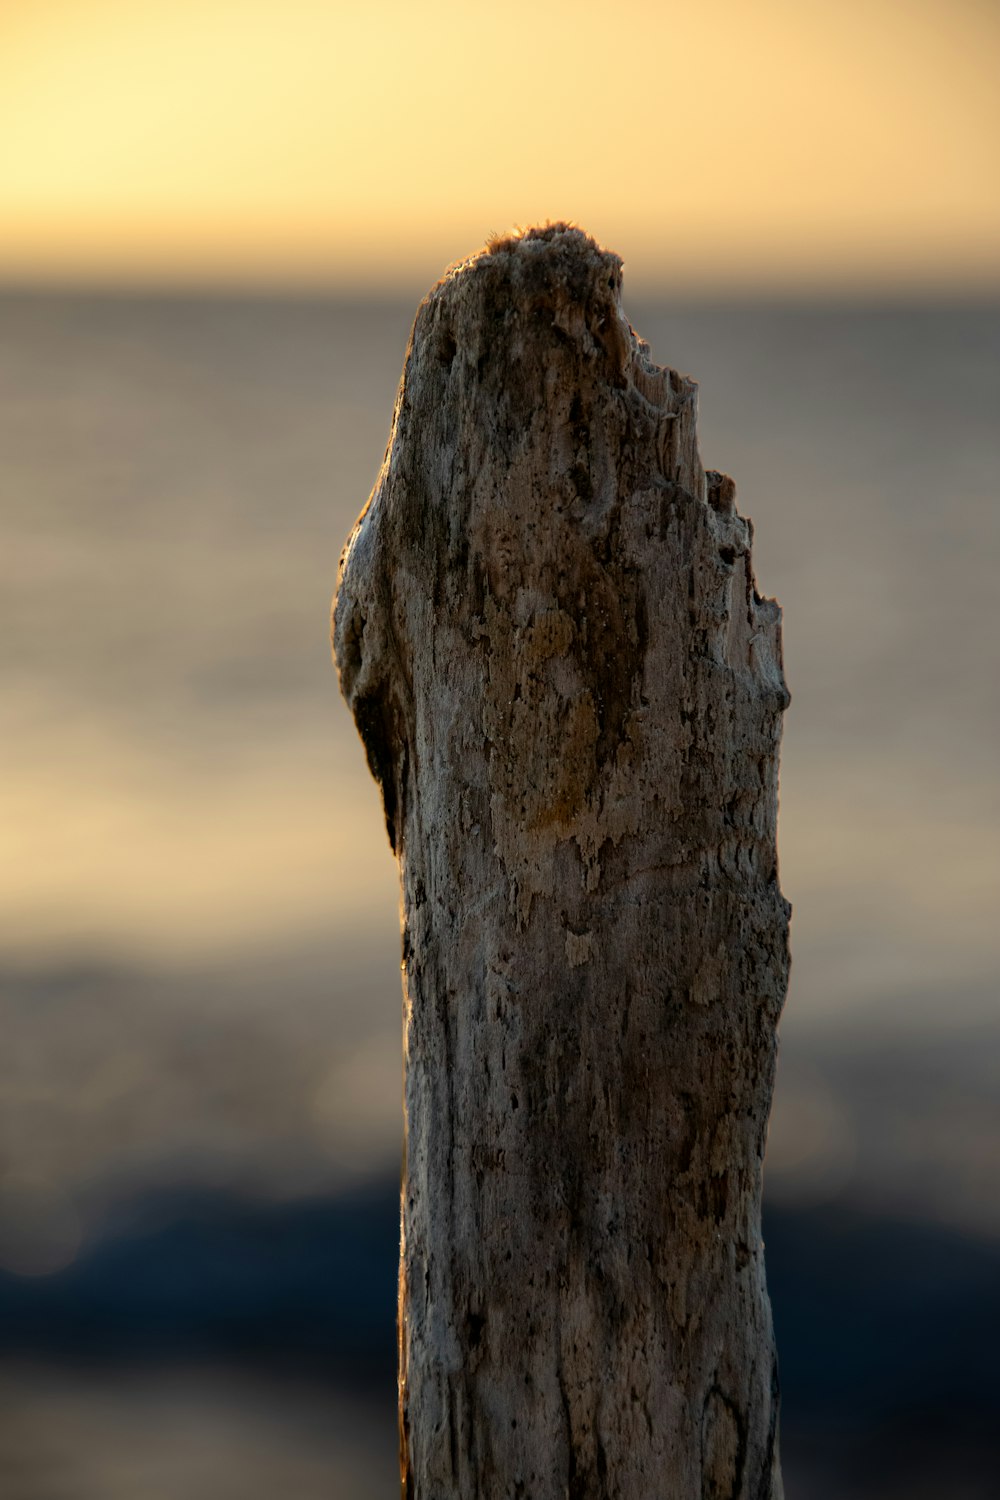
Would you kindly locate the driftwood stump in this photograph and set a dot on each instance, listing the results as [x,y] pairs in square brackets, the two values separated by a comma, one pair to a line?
[570,694]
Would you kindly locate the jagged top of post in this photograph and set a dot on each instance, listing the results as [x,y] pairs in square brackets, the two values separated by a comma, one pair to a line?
[561,246]
[557,262]
[527,394]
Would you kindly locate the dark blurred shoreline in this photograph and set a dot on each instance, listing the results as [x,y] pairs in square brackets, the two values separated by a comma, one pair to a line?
[889,1380]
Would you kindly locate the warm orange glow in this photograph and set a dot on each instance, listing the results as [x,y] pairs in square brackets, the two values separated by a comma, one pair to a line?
[108,849]
[721,143]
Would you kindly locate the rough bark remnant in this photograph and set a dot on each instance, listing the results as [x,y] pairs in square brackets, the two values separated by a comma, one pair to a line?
[570,693]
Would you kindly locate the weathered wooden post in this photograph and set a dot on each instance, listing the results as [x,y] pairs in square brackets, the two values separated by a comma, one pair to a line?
[570,693]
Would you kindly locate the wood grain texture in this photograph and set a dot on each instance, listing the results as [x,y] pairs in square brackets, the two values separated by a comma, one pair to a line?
[570,693]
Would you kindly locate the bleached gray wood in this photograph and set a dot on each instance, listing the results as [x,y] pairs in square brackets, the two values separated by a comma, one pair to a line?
[570,693]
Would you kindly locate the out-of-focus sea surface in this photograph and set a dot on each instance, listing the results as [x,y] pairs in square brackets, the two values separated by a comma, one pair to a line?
[199,960]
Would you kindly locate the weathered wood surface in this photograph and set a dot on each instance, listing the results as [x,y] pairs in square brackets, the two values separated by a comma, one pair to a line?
[571,693]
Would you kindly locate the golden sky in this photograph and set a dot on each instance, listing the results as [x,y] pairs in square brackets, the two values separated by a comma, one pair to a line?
[745,143]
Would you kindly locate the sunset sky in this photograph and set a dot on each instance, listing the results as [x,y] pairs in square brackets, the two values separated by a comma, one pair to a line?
[780,145]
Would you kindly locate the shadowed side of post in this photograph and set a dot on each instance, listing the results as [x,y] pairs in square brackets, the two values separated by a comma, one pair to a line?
[570,693]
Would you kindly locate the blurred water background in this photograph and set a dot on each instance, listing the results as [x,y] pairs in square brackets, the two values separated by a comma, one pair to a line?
[199,961]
